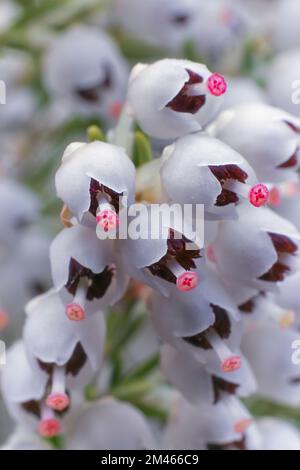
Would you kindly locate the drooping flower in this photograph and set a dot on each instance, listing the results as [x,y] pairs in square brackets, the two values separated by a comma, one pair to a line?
[220,426]
[164,251]
[164,23]
[201,384]
[171,98]
[282,81]
[84,69]
[267,137]
[93,180]
[198,169]
[257,250]
[110,424]
[24,389]
[70,353]
[87,273]
[203,325]
[269,351]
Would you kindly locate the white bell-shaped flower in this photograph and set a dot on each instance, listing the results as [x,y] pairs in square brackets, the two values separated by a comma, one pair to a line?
[285,200]
[163,23]
[198,169]
[257,250]
[87,273]
[221,32]
[93,181]
[202,325]
[267,137]
[9,12]
[199,383]
[18,209]
[162,248]
[171,98]
[285,34]
[84,68]
[269,350]
[110,425]
[282,80]
[278,434]
[26,273]
[220,426]
[69,352]
[23,390]
[241,91]
[24,439]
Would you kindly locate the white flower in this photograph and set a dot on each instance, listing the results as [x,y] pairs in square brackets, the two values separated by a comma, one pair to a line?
[84,68]
[69,352]
[285,201]
[110,425]
[92,180]
[87,273]
[164,251]
[25,273]
[268,349]
[24,439]
[198,169]
[18,209]
[23,390]
[222,30]
[282,79]
[201,384]
[171,98]
[243,90]
[220,426]
[285,32]
[8,14]
[278,434]
[165,23]
[203,325]
[267,137]
[257,250]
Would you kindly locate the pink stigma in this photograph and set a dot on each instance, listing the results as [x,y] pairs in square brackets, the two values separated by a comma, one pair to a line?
[3,320]
[58,401]
[187,281]
[217,84]
[211,253]
[116,109]
[75,312]
[49,427]
[108,220]
[241,426]
[259,195]
[231,364]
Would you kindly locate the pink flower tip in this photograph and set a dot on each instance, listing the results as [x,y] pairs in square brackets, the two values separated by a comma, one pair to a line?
[241,426]
[287,319]
[49,427]
[3,320]
[75,312]
[231,364]
[216,84]
[108,220]
[259,195]
[116,109]
[187,281]
[58,401]
[274,197]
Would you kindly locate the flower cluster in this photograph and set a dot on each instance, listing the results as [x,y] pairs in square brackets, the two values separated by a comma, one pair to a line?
[224,305]
[166,306]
